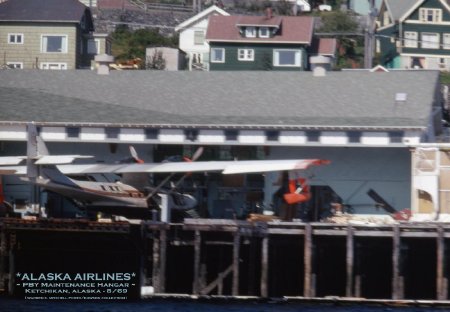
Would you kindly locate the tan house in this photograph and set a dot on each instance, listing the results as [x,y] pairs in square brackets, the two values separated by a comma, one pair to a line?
[47,34]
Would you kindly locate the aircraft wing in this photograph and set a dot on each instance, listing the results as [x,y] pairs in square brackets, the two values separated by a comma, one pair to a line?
[225,167]
[11,160]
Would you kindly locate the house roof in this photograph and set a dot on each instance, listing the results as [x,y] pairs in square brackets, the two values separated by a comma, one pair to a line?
[324,46]
[293,29]
[398,9]
[253,99]
[42,11]
[209,11]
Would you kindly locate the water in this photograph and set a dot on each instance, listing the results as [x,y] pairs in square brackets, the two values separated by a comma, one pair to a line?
[160,305]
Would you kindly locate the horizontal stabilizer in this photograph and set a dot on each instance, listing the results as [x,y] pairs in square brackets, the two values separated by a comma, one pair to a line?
[58,159]
[11,160]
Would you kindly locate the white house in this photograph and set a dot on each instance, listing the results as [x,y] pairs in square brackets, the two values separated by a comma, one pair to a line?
[192,38]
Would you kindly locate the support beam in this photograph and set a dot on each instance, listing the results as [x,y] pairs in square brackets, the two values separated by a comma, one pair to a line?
[12,264]
[441,281]
[350,262]
[308,279]
[397,292]
[162,257]
[236,246]
[197,252]
[156,264]
[264,267]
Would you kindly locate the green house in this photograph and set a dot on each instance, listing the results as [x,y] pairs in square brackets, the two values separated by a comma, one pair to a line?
[414,34]
[264,42]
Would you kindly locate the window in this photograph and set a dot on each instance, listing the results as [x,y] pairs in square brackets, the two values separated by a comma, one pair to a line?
[386,19]
[15,65]
[73,132]
[287,58]
[250,32]
[231,135]
[199,37]
[246,55]
[313,136]
[272,135]
[15,38]
[446,41]
[430,40]
[151,134]
[264,32]
[217,55]
[410,39]
[112,133]
[430,15]
[93,46]
[54,44]
[53,65]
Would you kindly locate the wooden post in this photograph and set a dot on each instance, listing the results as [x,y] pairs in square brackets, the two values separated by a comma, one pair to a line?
[396,279]
[3,252]
[350,262]
[12,264]
[197,251]
[307,287]
[264,267]
[236,246]
[441,289]
[156,264]
[162,262]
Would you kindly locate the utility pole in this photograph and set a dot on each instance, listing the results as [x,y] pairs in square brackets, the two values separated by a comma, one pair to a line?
[369,35]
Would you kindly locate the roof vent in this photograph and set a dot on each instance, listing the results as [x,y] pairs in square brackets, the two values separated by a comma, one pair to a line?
[400,97]
[103,61]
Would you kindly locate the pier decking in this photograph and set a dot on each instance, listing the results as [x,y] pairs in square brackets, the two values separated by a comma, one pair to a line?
[238,258]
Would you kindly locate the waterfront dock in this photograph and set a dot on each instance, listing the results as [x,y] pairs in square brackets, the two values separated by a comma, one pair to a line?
[215,257]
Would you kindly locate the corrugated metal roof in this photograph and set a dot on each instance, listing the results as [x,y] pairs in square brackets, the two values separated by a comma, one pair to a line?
[247,99]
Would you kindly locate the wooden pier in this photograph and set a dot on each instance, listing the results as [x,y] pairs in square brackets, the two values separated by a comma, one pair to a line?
[208,257]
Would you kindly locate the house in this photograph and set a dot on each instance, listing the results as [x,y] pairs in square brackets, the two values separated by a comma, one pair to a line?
[414,34]
[192,38]
[48,34]
[261,42]
[364,122]
[163,58]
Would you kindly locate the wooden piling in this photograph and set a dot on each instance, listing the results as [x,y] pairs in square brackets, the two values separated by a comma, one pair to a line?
[441,283]
[162,257]
[308,280]
[396,279]
[264,267]
[350,262]
[159,260]
[197,251]
[3,256]
[236,246]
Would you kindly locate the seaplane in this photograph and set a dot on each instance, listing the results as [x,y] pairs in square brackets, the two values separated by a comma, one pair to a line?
[132,196]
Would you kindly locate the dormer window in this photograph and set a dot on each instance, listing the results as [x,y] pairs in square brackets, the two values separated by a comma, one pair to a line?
[264,32]
[430,15]
[250,32]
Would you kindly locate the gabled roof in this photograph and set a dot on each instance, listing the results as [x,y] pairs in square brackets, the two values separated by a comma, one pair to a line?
[293,29]
[324,46]
[42,11]
[245,99]
[397,9]
[209,11]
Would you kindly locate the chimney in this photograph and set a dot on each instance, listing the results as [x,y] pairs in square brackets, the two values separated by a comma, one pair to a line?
[269,12]
[103,61]
[319,65]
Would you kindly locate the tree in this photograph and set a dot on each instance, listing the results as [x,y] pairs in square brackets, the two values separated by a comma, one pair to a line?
[350,46]
[156,61]
[128,44]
